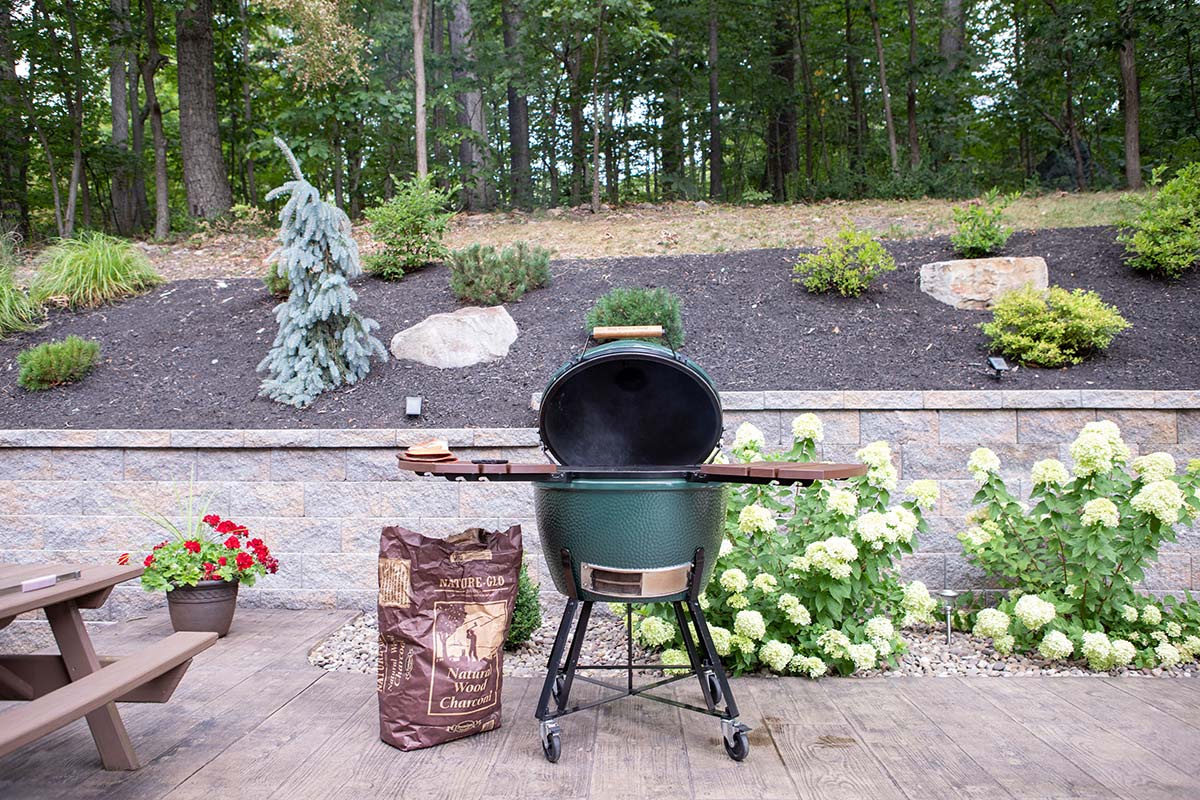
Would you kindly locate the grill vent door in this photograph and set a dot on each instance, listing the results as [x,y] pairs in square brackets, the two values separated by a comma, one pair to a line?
[634,583]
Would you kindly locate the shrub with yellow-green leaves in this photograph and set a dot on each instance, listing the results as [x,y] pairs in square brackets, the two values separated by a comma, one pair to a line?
[807,578]
[1071,557]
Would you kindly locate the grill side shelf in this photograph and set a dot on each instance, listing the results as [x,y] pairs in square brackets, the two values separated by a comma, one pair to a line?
[780,471]
[466,470]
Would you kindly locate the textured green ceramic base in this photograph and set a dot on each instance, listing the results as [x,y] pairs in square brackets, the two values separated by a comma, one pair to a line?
[627,524]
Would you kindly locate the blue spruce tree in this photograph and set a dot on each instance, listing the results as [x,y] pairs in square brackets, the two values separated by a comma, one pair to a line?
[321,343]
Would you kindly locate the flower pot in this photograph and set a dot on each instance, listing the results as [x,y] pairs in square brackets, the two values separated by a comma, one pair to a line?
[207,606]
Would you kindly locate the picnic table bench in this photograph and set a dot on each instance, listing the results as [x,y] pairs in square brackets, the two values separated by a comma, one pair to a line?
[60,688]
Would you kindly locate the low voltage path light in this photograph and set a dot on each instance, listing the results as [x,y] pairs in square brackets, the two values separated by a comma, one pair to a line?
[412,406]
[949,597]
[998,366]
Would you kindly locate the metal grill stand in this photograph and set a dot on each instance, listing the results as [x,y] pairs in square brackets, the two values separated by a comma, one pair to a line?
[705,666]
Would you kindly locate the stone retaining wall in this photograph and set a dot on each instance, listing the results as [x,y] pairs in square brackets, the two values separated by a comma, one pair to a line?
[319,497]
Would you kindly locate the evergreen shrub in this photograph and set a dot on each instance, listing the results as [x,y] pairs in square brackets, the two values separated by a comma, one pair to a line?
[1055,328]
[980,229]
[92,270]
[847,264]
[527,612]
[410,228]
[1164,237]
[56,363]
[480,274]
[637,306]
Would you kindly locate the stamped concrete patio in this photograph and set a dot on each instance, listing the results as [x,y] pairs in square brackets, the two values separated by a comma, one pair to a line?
[253,719]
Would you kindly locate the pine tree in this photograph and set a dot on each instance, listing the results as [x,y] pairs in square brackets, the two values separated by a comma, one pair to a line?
[321,343]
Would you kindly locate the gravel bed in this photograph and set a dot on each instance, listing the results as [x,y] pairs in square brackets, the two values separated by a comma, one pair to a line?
[353,648]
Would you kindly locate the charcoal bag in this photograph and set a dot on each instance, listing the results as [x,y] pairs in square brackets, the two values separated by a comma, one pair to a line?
[444,610]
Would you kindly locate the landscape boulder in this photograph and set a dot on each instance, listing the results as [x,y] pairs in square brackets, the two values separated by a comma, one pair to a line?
[461,338]
[975,283]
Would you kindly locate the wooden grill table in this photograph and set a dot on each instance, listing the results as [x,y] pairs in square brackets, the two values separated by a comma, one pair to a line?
[77,683]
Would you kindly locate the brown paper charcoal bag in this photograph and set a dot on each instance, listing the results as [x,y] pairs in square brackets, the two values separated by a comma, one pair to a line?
[444,610]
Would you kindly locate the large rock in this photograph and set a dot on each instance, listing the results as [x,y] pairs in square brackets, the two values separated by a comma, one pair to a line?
[471,335]
[977,282]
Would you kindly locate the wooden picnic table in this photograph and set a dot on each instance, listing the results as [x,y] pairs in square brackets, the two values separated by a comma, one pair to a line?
[75,682]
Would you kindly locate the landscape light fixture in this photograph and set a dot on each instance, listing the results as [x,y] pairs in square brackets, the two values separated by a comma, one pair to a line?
[949,596]
[412,406]
[999,366]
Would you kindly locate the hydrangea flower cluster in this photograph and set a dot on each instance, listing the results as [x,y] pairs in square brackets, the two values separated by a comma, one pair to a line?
[776,654]
[881,472]
[834,644]
[1152,615]
[756,519]
[812,666]
[918,606]
[863,655]
[1049,472]
[1105,654]
[877,529]
[842,501]
[990,623]
[654,632]
[924,493]
[982,464]
[734,580]
[1055,645]
[1154,467]
[1102,512]
[977,536]
[750,624]
[1034,612]
[807,427]
[1168,655]
[794,610]
[1098,448]
[765,583]
[748,441]
[831,556]
[1162,499]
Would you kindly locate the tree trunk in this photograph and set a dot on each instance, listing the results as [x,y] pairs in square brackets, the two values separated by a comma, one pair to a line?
[14,141]
[75,108]
[472,150]
[204,178]
[512,17]
[716,159]
[953,34]
[1073,128]
[671,137]
[810,92]
[914,142]
[1131,101]
[599,116]
[419,123]
[154,60]
[247,109]
[883,87]
[781,121]
[137,139]
[857,121]
[124,209]
[575,112]
[552,150]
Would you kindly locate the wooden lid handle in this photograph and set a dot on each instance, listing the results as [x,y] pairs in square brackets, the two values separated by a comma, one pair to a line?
[628,332]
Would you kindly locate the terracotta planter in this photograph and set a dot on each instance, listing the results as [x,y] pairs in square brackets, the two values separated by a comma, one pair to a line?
[207,606]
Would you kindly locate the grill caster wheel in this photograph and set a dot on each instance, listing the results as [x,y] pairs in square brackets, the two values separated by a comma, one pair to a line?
[737,744]
[714,689]
[551,743]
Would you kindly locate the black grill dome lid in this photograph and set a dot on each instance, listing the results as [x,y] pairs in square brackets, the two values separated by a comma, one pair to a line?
[630,403]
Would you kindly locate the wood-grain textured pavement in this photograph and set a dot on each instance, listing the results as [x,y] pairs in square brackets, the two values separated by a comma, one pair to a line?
[253,719]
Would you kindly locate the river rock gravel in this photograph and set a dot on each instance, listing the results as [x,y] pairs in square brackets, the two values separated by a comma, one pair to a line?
[353,647]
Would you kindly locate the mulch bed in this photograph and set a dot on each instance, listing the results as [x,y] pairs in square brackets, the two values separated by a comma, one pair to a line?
[184,356]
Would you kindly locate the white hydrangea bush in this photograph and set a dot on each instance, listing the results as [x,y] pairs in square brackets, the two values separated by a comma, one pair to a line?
[807,582]
[1071,557]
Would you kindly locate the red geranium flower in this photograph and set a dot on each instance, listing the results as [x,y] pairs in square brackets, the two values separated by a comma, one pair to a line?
[212,520]
[244,560]
[226,526]
[160,545]
[149,560]
[222,561]
[123,559]
[233,543]
[191,546]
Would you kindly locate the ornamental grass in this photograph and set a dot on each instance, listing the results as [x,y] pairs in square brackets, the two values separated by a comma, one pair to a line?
[92,270]
[17,312]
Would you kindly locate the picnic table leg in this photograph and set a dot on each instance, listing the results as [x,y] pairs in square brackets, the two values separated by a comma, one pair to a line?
[112,740]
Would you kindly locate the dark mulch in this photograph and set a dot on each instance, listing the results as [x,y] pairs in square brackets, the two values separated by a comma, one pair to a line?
[184,356]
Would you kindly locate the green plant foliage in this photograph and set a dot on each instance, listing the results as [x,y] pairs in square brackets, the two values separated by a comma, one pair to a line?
[979,227]
[807,580]
[1163,238]
[410,227]
[754,197]
[636,306]
[17,312]
[92,270]
[847,264]
[56,363]
[527,612]
[322,342]
[480,274]
[1055,328]
[1071,561]
[278,285]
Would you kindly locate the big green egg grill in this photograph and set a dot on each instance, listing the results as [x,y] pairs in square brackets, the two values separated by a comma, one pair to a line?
[632,507]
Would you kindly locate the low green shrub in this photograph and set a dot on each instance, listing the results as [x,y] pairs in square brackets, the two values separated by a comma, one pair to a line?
[1163,238]
[753,197]
[92,270]
[1054,328]
[1072,557]
[636,306]
[410,227]
[979,226]
[17,312]
[527,612]
[276,284]
[480,274]
[56,363]
[847,264]
[807,580]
